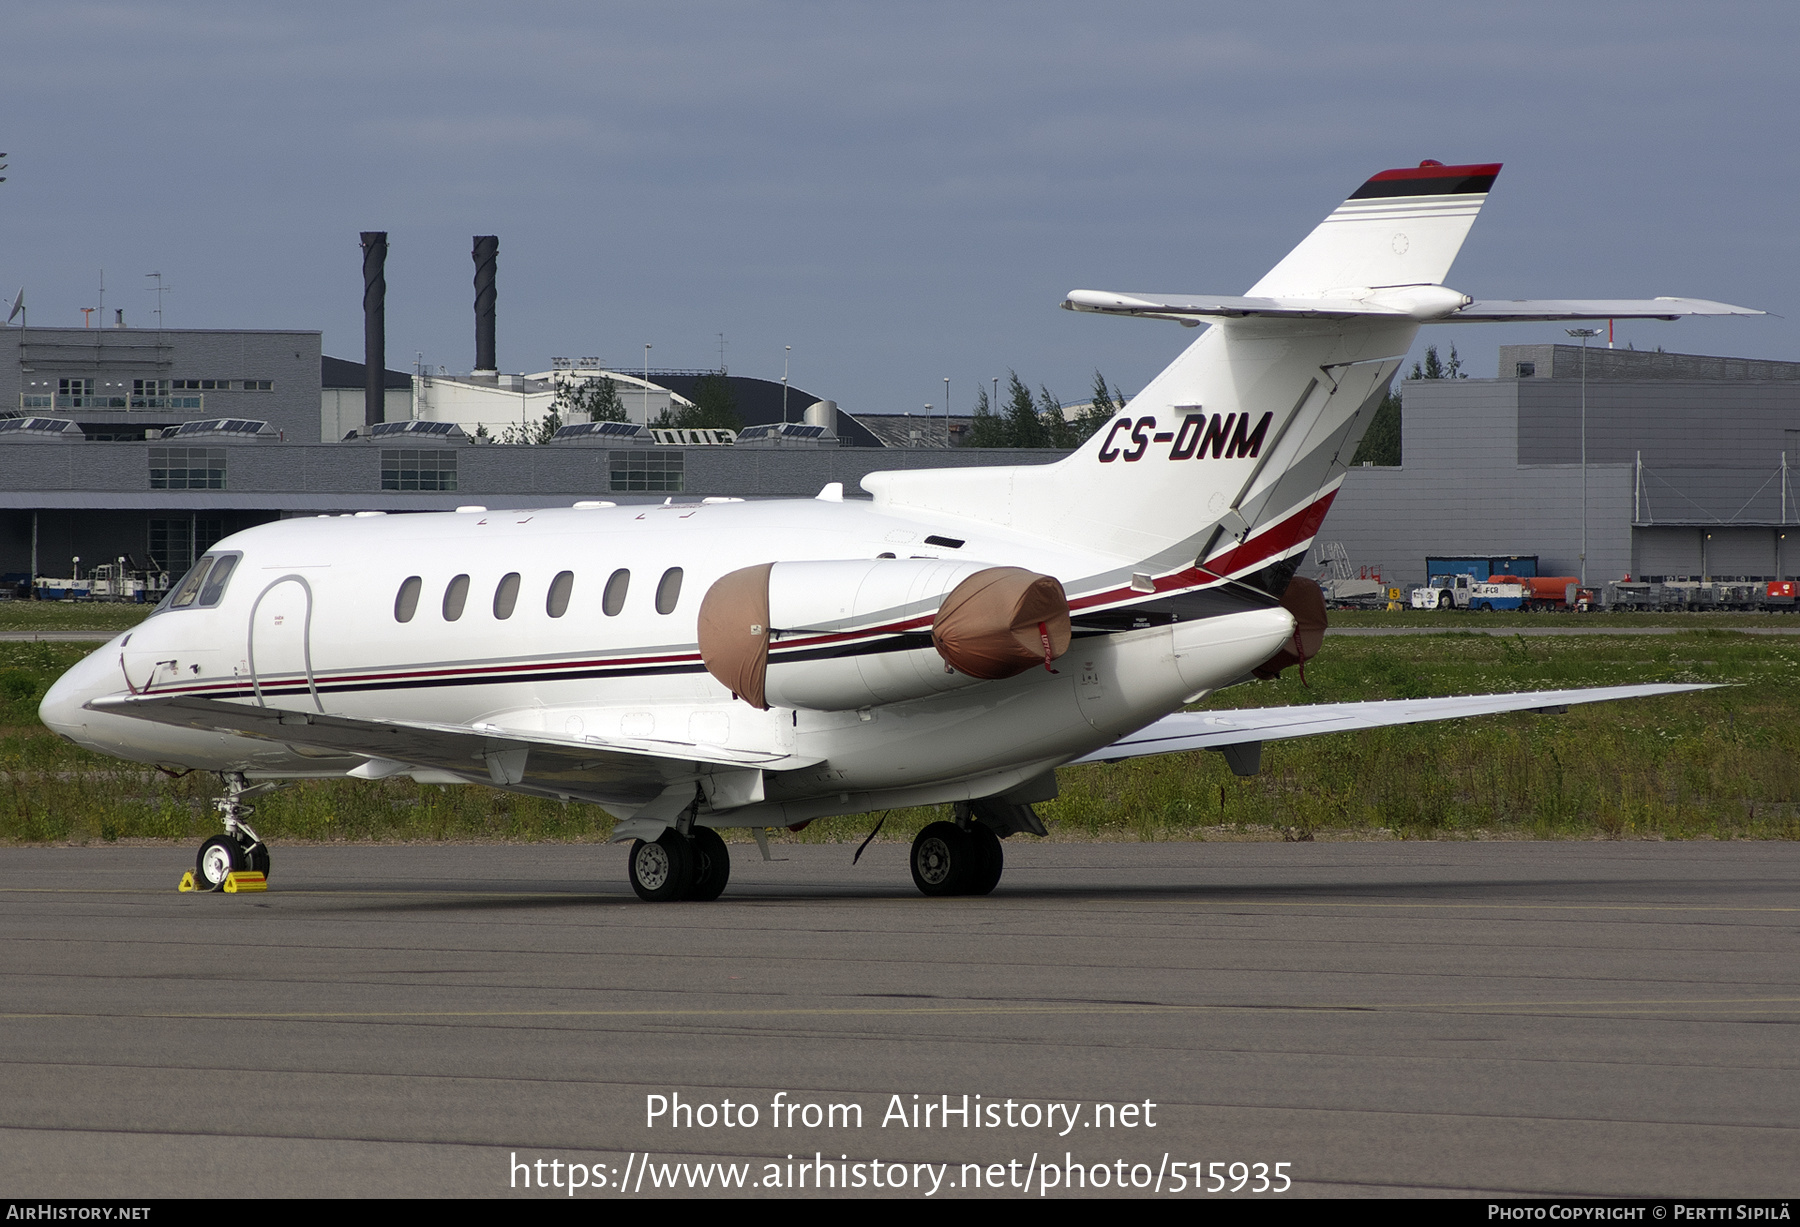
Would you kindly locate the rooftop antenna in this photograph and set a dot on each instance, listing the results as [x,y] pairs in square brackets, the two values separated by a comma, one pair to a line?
[721,353]
[101,305]
[160,288]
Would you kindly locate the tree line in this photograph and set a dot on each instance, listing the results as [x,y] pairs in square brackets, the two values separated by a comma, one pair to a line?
[1028,421]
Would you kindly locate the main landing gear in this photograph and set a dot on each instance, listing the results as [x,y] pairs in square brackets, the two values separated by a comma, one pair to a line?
[240,848]
[695,866]
[957,858]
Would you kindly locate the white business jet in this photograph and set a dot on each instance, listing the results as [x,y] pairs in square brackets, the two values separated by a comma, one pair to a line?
[953,640]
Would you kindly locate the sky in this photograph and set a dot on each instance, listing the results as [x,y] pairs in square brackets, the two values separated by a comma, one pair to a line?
[899,193]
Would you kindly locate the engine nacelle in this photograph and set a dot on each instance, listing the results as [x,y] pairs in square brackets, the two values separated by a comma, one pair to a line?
[838,636]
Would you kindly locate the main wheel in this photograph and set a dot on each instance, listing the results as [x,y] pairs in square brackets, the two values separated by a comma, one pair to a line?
[943,859]
[990,860]
[712,866]
[219,856]
[663,872]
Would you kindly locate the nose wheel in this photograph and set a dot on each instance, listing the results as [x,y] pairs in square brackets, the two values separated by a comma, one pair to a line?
[240,848]
[219,856]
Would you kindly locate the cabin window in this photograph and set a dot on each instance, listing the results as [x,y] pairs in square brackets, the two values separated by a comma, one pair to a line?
[214,591]
[614,600]
[506,596]
[406,603]
[456,595]
[557,603]
[668,591]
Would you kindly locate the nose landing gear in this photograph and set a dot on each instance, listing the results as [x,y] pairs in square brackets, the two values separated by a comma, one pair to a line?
[240,848]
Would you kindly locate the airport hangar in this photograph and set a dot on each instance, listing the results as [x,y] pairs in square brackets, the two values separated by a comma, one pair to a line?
[92,466]
[1686,476]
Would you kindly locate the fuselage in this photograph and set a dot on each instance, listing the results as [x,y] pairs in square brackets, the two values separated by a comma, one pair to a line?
[580,623]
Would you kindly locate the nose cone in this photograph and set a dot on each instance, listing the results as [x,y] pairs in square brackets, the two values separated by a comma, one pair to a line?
[63,708]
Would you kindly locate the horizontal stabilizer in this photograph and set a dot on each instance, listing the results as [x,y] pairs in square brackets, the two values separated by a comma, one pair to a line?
[1424,304]
[1220,306]
[1526,310]
[1206,730]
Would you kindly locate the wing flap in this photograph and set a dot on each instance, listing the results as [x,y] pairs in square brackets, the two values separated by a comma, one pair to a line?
[1215,730]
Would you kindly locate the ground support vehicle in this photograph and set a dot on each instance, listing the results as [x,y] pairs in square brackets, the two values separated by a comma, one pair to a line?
[1466,592]
[1761,596]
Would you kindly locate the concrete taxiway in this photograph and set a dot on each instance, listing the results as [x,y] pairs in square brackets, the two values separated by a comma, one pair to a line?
[1383,1018]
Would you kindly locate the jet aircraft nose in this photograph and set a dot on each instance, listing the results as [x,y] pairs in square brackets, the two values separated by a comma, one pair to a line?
[63,709]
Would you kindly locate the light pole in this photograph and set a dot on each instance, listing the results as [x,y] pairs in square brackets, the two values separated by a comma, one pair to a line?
[785,357]
[647,386]
[946,411]
[927,433]
[1584,334]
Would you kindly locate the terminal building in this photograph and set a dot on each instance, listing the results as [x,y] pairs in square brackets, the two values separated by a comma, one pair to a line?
[1686,477]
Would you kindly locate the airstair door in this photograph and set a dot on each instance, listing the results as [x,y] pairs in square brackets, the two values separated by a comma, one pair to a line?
[280,647]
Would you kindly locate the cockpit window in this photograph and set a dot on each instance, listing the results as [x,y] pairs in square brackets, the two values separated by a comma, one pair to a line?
[214,590]
[188,591]
[202,587]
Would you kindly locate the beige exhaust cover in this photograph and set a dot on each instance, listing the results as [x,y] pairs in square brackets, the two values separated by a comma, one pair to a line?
[1000,622]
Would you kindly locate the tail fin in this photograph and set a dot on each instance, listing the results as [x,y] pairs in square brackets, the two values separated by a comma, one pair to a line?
[1402,227]
[1230,457]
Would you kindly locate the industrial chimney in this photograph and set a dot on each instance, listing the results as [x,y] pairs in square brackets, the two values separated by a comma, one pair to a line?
[487,252]
[374,245]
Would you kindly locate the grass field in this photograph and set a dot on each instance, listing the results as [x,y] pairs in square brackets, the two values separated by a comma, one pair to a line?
[1433,619]
[70,616]
[1718,764]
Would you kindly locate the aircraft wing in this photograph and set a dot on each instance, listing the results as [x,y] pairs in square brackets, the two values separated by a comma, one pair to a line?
[1247,728]
[1526,310]
[614,771]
